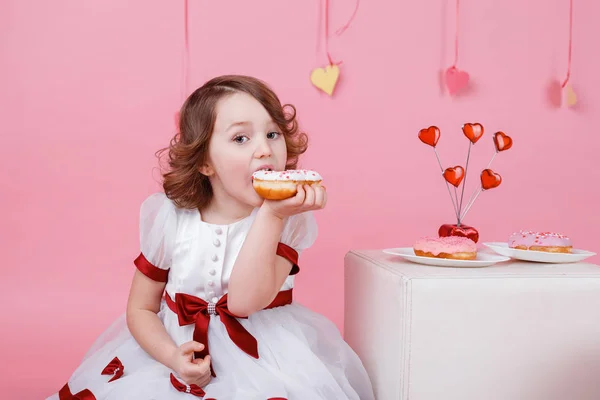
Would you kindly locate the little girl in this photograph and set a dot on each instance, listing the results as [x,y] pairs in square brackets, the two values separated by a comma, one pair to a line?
[210,311]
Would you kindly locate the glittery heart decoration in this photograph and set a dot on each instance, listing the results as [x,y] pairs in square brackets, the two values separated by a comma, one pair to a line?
[459,230]
[490,179]
[430,136]
[454,175]
[325,78]
[456,80]
[473,132]
[502,141]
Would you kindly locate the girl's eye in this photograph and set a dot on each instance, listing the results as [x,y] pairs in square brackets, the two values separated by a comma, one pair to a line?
[273,135]
[240,139]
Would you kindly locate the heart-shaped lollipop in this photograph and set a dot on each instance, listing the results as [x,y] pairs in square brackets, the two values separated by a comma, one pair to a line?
[454,175]
[430,135]
[490,179]
[502,141]
[473,132]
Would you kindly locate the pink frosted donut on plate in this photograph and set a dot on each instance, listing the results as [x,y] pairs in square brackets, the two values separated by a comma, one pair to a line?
[540,241]
[454,247]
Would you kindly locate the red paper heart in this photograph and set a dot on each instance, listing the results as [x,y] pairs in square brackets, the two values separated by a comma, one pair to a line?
[456,80]
[454,175]
[430,135]
[462,230]
[473,132]
[490,179]
[502,141]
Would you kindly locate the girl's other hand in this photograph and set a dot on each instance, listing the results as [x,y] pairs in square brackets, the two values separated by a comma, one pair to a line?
[190,370]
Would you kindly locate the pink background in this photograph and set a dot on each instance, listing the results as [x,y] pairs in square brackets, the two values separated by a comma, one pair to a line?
[88,94]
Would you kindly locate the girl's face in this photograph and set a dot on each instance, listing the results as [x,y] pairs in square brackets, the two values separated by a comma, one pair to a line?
[244,140]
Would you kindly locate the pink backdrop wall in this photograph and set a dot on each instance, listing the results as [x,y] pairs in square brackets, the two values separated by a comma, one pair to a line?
[88,94]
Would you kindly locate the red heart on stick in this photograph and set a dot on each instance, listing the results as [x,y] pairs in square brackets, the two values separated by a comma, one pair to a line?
[454,175]
[473,132]
[502,141]
[490,179]
[430,135]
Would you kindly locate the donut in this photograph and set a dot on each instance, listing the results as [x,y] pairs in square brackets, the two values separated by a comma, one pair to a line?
[281,185]
[540,241]
[453,247]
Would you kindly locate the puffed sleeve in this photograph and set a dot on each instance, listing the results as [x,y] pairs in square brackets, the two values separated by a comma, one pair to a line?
[299,233]
[158,225]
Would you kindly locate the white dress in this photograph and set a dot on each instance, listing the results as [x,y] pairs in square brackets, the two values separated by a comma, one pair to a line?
[301,354]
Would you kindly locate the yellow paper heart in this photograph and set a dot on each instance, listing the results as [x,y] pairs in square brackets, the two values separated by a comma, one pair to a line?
[571,96]
[325,78]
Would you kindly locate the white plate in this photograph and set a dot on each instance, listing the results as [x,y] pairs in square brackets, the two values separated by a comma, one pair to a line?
[539,256]
[482,260]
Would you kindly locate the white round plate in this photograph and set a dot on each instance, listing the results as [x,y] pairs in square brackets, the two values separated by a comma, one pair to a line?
[482,260]
[539,256]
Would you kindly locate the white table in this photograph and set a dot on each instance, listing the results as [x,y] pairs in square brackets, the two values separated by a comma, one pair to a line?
[514,331]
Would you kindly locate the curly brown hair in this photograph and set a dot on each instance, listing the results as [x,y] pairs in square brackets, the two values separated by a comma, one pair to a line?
[188,149]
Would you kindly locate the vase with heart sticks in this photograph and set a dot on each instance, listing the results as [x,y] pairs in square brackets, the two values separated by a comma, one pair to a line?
[457,176]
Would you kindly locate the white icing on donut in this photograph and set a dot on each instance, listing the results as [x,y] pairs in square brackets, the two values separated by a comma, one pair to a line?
[289,175]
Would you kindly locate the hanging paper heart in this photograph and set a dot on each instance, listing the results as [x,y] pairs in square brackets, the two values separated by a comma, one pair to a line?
[502,141]
[454,175]
[473,132]
[430,135]
[570,96]
[490,179]
[456,80]
[325,78]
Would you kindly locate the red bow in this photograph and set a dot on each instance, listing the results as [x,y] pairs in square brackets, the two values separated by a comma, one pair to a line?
[65,394]
[193,310]
[192,389]
[114,367]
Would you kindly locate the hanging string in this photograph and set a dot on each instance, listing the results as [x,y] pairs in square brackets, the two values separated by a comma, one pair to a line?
[347,24]
[185,73]
[327,33]
[456,38]
[570,43]
[339,32]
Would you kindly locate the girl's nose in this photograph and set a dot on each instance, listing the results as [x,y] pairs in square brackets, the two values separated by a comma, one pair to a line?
[263,149]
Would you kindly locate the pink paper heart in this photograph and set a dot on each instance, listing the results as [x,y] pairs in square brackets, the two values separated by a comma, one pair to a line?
[456,80]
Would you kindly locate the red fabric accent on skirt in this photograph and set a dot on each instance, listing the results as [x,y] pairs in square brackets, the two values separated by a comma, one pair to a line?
[65,394]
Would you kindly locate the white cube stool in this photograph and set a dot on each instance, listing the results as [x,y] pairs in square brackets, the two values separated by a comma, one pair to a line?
[514,331]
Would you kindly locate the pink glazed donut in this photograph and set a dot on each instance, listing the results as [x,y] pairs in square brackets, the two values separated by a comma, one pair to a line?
[454,247]
[540,241]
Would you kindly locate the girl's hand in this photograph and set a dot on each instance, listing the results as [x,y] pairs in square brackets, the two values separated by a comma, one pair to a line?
[189,370]
[308,198]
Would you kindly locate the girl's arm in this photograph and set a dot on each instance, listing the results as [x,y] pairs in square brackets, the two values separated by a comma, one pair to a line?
[158,228]
[143,322]
[258,272]
[150,333]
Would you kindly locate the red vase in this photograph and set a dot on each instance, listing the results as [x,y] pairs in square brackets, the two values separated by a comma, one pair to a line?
[456,230]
